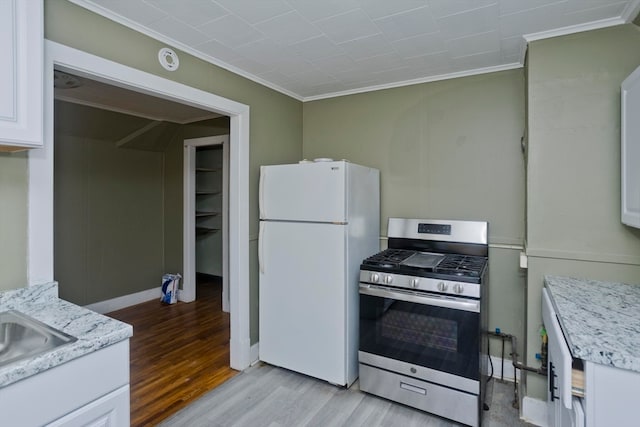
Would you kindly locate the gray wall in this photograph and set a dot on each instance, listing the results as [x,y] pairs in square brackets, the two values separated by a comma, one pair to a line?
[448,149]
[108,203]
[118,211]
[573,206]
[13,220]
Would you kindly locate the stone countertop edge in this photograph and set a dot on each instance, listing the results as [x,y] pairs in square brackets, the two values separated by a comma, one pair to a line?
[93,331]
[600,320]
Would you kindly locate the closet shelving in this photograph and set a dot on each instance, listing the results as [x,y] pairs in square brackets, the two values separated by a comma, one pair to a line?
[210,212]
[208,204]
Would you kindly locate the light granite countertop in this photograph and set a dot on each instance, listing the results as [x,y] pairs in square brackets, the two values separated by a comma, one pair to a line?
[600,320]
[93,331]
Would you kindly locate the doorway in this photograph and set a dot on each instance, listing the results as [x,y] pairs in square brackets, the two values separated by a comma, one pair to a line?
[118,193]
[40,245]
[206,207]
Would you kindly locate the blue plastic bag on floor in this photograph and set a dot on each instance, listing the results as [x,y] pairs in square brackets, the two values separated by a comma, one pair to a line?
[170,283]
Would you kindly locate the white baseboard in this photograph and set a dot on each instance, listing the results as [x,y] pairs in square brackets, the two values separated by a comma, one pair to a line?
[510,374]
[125,301]
[534,411]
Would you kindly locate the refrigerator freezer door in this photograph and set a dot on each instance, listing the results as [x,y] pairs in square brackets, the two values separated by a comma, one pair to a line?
[303,298]
[313,192]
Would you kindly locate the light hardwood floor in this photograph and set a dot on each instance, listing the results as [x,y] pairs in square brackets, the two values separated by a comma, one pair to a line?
[178,352]
[267,396]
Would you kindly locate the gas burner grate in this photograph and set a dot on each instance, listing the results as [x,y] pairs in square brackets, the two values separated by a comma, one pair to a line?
[388,257]
[405,261]
[461,265]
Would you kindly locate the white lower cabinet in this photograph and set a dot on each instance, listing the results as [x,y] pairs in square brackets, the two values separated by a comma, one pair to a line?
[111,410]
[92,390]
[611,396]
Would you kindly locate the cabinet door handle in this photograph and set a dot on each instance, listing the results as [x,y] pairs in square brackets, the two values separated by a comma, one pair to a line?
[552,382]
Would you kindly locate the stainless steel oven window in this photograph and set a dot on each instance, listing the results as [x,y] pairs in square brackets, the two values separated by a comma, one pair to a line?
[433,336]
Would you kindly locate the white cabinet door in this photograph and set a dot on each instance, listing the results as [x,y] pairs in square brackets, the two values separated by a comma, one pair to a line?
[21,74]
[559,414]
[108,411]
[559,368]
[611,396]
[630,150]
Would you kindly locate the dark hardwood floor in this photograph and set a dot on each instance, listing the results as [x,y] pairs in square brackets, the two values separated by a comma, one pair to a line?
[178,352]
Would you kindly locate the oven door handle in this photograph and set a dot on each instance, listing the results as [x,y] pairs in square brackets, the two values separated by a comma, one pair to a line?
[419,298]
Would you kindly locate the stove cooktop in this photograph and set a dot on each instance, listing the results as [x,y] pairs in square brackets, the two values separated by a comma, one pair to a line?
[426,264]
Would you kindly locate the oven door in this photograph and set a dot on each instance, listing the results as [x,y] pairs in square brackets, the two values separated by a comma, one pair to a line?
[429,330]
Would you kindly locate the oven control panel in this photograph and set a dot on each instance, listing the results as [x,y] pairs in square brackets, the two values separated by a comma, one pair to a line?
[428,228]
[421,283]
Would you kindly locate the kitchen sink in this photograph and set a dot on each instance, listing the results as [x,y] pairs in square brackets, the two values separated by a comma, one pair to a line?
[22,337]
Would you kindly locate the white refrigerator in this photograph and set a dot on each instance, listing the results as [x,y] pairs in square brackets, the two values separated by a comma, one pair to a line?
[318,221]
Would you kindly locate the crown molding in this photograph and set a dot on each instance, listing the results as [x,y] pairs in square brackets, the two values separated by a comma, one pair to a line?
[439,77]
[572,29]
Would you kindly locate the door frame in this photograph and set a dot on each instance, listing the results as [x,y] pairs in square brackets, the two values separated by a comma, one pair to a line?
[188,292]
[40,165]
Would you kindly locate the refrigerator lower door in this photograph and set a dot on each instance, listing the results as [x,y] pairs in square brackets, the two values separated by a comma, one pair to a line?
[303,298]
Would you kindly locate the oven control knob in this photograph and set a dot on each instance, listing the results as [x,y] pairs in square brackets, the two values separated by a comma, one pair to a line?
[458,288]
[375,277]
[388,280]
[442,287]
[415,282]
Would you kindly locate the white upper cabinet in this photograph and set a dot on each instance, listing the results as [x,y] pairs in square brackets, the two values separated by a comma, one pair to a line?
[630,149]
[21,74]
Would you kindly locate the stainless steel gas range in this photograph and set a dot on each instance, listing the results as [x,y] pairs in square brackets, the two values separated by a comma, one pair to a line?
[423,317]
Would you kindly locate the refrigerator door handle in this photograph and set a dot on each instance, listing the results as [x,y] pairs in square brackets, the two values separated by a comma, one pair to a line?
[260,247]
[263,172]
